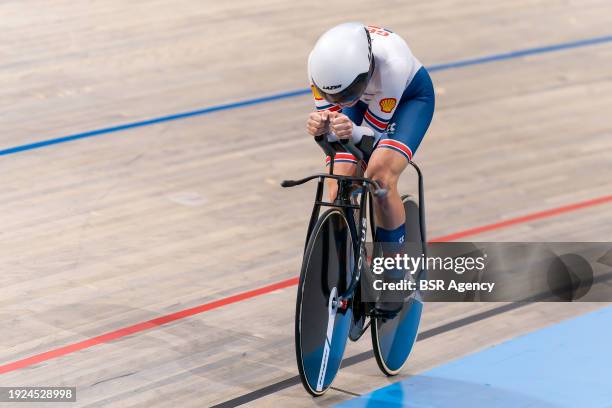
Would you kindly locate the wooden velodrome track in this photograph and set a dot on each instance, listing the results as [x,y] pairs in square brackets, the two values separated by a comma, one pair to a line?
[103,233]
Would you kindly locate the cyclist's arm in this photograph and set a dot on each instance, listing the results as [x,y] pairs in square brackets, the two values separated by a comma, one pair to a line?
[321,104]
[361,131]
[382,106]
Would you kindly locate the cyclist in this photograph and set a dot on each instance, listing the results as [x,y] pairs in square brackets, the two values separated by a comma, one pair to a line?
[366,82]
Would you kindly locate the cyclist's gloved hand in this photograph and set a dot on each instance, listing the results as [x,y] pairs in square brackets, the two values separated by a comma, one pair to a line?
[318,123]
[341,125]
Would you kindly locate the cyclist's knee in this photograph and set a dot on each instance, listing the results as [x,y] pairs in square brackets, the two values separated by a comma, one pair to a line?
[332,190]
[383,174]
[341,169]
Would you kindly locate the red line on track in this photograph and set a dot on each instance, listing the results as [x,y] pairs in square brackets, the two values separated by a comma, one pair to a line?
[149,324]
[525,218]
[139,327]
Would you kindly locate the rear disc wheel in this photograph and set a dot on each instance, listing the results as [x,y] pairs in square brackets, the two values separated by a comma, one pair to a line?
[394,337]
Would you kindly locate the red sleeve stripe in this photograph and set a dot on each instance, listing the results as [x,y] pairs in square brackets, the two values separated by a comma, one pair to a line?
[373,125]
[397,146]
[331,108]
[377,123]
[376,116]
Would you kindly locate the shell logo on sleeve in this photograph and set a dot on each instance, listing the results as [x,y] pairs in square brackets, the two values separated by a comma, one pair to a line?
[315,93]
[387,104]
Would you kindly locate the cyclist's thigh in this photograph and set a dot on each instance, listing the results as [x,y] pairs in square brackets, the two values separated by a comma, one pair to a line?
[386,165]
[412,117]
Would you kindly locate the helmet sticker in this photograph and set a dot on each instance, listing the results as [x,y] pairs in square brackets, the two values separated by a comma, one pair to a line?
[387,104]
[383,32]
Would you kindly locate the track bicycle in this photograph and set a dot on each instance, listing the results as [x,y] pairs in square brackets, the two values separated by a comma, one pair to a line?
[329,305]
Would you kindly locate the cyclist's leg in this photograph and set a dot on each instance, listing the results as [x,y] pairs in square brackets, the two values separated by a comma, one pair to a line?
[396,147]
[385,167]
[401,139]
[345,164]
[341,169]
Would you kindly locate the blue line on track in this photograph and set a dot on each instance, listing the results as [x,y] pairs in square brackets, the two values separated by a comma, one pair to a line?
[521,53]
[290,94]
[153,121]
[565,365]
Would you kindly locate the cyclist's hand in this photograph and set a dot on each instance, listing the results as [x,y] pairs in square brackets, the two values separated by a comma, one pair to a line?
[318,123]
[342,126]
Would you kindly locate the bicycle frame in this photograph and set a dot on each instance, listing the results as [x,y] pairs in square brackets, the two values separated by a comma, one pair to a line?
[346,186]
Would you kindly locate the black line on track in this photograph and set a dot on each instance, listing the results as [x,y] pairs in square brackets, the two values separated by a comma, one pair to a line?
[358,358]
[345,391]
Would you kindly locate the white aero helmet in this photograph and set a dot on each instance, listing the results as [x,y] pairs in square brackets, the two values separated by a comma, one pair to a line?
[341,63]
